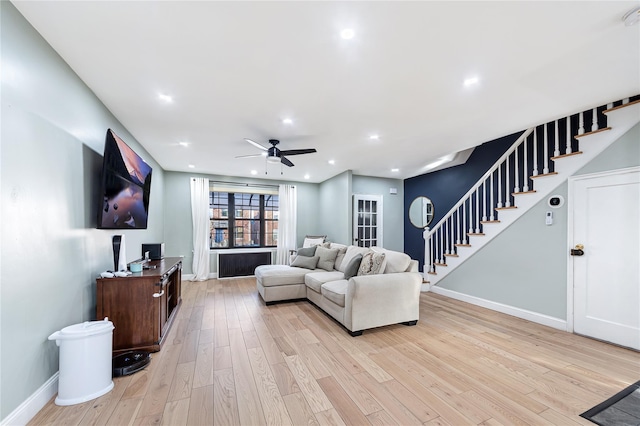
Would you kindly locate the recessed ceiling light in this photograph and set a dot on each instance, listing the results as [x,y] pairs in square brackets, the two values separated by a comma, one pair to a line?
[347,33]
[471,81]
[395,170]
[374,137]
[307,176]
[165,98]
[191,166]
[332,162]
[185,144]
[287,121]
[254,172]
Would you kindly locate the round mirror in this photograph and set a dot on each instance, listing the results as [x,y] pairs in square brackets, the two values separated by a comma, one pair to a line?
[421,212]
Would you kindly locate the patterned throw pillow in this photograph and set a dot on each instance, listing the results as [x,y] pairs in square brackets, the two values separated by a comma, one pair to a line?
[372,264]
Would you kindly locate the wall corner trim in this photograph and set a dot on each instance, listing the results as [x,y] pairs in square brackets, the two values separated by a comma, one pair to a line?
[536,317]
[30,407]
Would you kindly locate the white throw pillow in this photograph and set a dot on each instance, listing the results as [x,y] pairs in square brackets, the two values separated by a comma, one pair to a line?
[312,241]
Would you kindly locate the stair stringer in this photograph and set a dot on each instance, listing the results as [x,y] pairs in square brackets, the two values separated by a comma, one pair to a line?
[620,121]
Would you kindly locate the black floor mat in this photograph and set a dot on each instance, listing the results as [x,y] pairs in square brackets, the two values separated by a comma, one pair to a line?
[622,409]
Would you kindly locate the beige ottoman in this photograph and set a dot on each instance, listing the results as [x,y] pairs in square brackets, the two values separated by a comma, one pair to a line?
[281,282]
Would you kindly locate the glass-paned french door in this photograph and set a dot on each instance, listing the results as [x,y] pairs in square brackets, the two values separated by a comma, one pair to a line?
[367,220]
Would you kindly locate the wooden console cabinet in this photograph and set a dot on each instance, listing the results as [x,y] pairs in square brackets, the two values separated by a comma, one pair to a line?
[142,306]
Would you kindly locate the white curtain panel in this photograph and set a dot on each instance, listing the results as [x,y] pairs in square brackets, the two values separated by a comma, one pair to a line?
[200,218]
[287,222]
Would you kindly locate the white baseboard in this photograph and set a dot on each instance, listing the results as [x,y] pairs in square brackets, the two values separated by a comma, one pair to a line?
[189,277]
[538,318]
[30,407]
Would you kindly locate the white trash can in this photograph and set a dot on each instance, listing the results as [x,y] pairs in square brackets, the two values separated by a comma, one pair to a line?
[85,361]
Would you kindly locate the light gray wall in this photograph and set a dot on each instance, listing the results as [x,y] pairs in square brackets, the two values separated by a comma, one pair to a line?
[52,139]
[335,208]
[393,206]
[526,265]
[178,235]
[624,153]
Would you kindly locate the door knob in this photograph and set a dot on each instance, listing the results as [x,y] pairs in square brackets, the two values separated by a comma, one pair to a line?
[578,251]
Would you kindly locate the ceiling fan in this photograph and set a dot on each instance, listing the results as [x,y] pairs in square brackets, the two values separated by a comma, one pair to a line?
[274,154]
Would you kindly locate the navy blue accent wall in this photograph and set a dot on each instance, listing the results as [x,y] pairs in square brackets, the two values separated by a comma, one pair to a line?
[446,187]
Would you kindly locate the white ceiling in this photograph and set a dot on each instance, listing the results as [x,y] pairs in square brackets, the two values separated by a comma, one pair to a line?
[236,69]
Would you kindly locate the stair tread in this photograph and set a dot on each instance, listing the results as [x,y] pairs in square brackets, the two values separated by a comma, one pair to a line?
[604,129]
[431,273]
[451,255]
[543,175]
[506,208]
[489,221]
[471,234]
[463,245]
[571,154]
[621,106]
[533,191]
[440,264]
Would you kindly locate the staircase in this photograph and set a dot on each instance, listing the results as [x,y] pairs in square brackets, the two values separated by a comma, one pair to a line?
[539,161]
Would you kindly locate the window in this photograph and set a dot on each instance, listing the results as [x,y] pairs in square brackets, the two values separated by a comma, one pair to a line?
[252,219]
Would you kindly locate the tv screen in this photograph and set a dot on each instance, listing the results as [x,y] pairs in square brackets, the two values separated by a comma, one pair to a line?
[126,183]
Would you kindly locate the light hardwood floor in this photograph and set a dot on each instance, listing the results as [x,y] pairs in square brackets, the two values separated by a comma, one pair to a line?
[229,359]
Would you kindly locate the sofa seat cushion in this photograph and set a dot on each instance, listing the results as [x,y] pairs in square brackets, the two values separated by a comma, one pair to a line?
[335,291]
[314,280]
[273,275]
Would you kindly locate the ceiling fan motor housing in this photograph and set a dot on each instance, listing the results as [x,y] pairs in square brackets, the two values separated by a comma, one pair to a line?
[273,152]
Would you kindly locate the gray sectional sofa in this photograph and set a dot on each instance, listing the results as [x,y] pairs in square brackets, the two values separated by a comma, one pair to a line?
[384,290]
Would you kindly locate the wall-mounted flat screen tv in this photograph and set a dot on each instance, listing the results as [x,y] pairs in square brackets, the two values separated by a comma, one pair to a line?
[126,184]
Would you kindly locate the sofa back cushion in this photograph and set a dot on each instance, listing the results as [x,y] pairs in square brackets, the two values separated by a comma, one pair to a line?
[342,249]
[372,263]
[349,254]
[308,262]
[326,258]
[396,261]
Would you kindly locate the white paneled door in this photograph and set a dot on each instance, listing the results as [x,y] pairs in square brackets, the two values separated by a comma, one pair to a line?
[367,220]
[604,230]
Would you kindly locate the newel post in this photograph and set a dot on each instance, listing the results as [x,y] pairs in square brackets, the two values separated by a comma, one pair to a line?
[427,253]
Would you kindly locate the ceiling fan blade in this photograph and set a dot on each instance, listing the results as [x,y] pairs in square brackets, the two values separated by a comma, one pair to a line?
[250,156]
[298,151]
[286,161]
[256,144]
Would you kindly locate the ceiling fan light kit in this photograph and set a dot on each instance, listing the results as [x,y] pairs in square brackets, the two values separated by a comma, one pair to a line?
[274,154]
